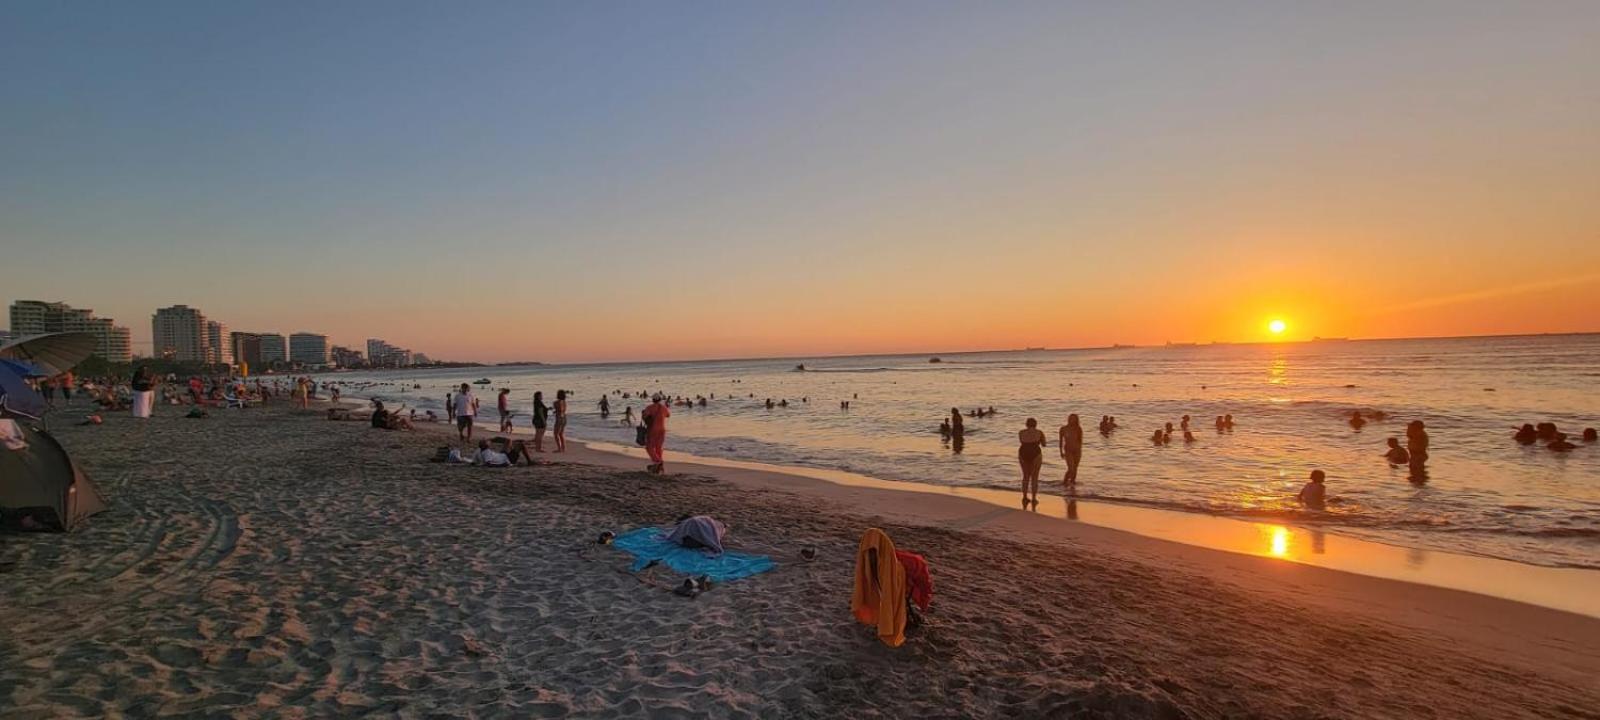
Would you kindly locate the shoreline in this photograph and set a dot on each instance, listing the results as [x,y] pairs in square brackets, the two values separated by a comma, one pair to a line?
[269,562]
[1567,590]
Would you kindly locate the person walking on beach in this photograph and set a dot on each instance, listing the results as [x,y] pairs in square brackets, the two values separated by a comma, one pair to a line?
[1070,442]
[1030,455]
[541,418]
[466,407]
[561,421]
[1417,446]
[655,423]
[503,402]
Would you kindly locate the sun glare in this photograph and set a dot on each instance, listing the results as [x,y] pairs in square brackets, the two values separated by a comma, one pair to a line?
[1277,327]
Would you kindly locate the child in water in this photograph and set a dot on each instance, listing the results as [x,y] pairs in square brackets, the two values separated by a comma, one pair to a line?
[1314,495]
[1396,455]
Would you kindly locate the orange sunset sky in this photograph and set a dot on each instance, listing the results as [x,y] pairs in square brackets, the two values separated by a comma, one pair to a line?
[587,184]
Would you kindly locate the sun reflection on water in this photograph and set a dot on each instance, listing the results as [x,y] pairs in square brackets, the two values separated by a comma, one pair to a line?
[1278,541]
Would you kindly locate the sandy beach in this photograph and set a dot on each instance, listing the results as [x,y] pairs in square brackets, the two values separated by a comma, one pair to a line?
[269,563]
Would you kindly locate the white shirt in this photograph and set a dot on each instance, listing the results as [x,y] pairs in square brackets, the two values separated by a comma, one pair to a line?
[489,457]
[464,405]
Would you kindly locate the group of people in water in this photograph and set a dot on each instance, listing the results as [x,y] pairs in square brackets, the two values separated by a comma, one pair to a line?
[1552,437]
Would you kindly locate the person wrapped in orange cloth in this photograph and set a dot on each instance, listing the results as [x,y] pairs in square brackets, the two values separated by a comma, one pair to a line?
[885,592]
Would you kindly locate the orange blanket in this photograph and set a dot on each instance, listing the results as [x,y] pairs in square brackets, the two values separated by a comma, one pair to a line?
[879,597]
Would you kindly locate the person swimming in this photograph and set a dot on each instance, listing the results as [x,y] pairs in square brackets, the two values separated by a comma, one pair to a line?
[1560,444]
[1590,435]
[1397,455]
[1526,435]
[1168,430]
[1184,424]
[1220,424]
[1188,437]
[1159,438]
[1314,495]
[1227,421]
[1356,421]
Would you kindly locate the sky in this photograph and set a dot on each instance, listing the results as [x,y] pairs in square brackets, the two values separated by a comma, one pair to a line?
[594,181]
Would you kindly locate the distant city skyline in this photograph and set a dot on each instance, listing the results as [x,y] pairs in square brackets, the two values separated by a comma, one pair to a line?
[521,181]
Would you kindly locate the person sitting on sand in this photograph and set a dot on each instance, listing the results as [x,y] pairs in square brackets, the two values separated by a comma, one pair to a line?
[1314,495]
[1526,435]
[1396,455]
[1356,421]
[699,532]
[489,457]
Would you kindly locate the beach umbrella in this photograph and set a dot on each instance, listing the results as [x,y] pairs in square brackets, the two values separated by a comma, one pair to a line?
[54,353]
[16,397]
[23,369]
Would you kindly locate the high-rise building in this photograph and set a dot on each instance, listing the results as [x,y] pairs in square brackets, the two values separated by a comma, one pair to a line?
[219,344]
[274,349]
[34,317]
[344,357]
[308,348]
[179,333]
[382,354]
[246,349]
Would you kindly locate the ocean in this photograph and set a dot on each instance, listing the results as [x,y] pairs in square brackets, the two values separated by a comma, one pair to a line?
[1484,494]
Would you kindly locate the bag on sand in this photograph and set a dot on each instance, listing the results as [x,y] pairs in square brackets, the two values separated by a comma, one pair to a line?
[639,434]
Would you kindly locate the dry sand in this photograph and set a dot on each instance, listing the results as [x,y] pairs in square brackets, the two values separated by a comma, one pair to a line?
[270,563]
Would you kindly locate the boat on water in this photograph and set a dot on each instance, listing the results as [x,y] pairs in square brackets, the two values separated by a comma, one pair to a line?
[1036,349]
[800,368]
[935,360]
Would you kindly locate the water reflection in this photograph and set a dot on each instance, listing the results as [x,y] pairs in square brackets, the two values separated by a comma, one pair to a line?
[1278,543]
[1319,542]
[1278,371]
[1072,509]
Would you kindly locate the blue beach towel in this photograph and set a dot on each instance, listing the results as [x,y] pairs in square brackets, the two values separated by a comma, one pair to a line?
[648,543]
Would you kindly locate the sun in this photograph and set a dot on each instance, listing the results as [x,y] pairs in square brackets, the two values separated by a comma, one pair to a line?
[1277,327]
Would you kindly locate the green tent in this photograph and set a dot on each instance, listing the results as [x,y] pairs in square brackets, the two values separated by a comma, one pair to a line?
[40,481]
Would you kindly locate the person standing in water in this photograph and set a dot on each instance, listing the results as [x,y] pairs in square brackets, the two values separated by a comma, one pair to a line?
[605,407]
[1030,455]
[956,429]
[561,421]
[1417,446]
[1314,495]
[655,422]
[541,418]
[1070,442]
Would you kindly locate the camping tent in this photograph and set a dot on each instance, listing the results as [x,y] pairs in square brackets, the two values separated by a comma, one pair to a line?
[42,482]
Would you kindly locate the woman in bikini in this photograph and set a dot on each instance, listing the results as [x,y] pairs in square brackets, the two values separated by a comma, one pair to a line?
[1030,455]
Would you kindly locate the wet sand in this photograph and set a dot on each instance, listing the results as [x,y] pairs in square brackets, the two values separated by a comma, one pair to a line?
[270,563]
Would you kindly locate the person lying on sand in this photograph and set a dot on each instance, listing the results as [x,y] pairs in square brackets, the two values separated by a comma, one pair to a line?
[489,457]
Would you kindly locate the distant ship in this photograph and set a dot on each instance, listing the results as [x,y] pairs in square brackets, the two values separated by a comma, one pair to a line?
[1036,349]
[1323,339]
[1173,344]
[935,360]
